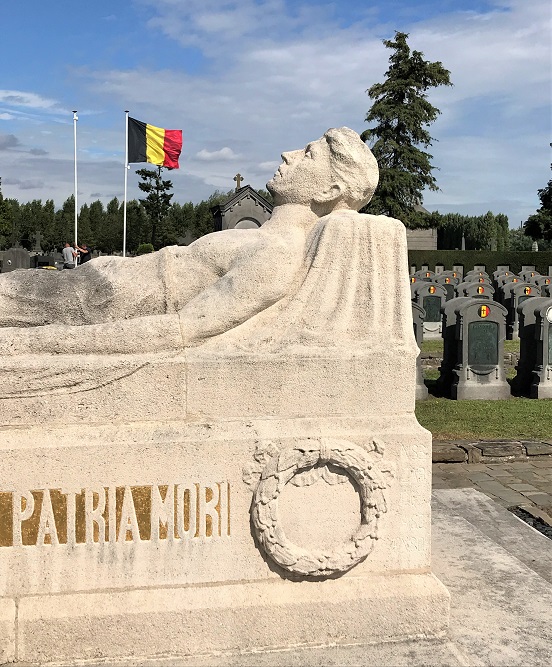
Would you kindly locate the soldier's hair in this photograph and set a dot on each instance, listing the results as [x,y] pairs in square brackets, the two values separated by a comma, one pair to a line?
[354,166]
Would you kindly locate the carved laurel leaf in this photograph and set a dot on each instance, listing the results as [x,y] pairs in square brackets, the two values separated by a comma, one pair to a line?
[308,460]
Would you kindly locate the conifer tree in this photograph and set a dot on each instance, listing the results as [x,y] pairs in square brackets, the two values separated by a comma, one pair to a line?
[402,114]
[158,200]
[539,225]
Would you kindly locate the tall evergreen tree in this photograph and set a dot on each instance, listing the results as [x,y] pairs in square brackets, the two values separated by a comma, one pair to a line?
[539,225]
[5,221]
[158,200]
[402,114]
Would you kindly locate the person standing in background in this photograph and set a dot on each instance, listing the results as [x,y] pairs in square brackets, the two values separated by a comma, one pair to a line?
[69,257]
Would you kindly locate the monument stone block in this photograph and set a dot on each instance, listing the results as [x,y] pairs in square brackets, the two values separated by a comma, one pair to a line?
[169,449]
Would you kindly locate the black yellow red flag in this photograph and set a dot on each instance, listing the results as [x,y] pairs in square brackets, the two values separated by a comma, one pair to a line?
[148,143]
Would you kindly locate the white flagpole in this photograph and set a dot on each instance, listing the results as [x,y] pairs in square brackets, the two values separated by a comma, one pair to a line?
[75,119]
[126,182]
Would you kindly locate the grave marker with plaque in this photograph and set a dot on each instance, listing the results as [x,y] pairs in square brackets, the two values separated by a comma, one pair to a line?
[418,316]
[541,386]
[431,297]
[514,294]
[478,372]
[529,358]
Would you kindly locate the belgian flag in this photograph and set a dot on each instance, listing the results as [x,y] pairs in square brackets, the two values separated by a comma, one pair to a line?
[147,143]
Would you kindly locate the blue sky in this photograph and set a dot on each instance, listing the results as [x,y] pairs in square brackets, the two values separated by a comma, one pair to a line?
[248,79]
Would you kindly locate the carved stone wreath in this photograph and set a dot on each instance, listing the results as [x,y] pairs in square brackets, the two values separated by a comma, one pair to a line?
[281,467]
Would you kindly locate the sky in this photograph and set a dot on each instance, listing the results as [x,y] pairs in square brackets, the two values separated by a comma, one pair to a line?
[248,79]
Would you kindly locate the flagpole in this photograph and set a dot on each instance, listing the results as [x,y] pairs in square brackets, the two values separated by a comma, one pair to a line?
[126,183]
[75,119]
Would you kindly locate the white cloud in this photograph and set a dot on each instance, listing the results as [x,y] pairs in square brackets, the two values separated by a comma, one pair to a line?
[275,75]
[224,154]
[18,98]
[6,116]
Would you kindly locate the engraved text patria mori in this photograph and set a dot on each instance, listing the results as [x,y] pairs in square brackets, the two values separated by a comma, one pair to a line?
[115,514]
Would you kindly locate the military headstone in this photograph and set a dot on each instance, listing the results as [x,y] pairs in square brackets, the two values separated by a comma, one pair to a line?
[513,294]
[541,387]
[15,258]
[418,316]
[530,361]
[431,297]
[478,372]
[475,289]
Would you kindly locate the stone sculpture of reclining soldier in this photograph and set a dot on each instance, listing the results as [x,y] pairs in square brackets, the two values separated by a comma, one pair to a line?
[181,296]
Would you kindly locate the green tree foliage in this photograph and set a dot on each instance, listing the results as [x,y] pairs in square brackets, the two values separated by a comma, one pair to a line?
[481,232]
[402,114]
[157,203]
[64,222]
[110,233]
[5,222]
[539,225]
[518,240]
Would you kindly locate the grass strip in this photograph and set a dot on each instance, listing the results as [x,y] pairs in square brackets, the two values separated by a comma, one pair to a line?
[512,419]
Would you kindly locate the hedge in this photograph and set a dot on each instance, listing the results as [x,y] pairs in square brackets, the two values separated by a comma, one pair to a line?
[490,259]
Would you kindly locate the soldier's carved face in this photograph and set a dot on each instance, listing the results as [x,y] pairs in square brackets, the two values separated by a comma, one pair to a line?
[302,175]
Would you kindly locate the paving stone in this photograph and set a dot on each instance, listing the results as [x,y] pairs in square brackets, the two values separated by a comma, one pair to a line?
[537,448]
[523,487]
[543,463]
[448,453]
[520,465]
[540,498]
[500,449]
[478,476]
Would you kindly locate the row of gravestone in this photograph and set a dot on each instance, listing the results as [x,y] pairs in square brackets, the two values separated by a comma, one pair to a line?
[20,258]
[431,291]
[474,328]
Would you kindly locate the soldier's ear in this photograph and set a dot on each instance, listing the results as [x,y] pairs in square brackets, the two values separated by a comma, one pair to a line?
[333,192]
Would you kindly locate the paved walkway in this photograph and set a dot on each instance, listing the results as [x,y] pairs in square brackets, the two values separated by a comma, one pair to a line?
[514,483]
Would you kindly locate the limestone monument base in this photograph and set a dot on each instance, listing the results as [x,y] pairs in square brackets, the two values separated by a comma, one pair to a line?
[268,487]
[135,539]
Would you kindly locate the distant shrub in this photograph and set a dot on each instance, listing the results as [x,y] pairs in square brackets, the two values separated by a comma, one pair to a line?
[144,248]
[490,259]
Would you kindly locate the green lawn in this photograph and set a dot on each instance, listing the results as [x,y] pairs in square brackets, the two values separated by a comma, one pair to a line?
[516,418]
[434,347]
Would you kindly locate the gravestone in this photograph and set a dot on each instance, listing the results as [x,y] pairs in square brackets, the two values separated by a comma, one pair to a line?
[418,316]
[501,283]
[449,283]
[478,371]
[476,275]
[541,387]
[164,470]
[458,268]
[479,268]
[540,281]
[431,297]
[450,346]
[15,258]
[475,289]
[501,268]
[425,275]
[546,290]
[527,274]
[514,294]
[532,356]
[439,268]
